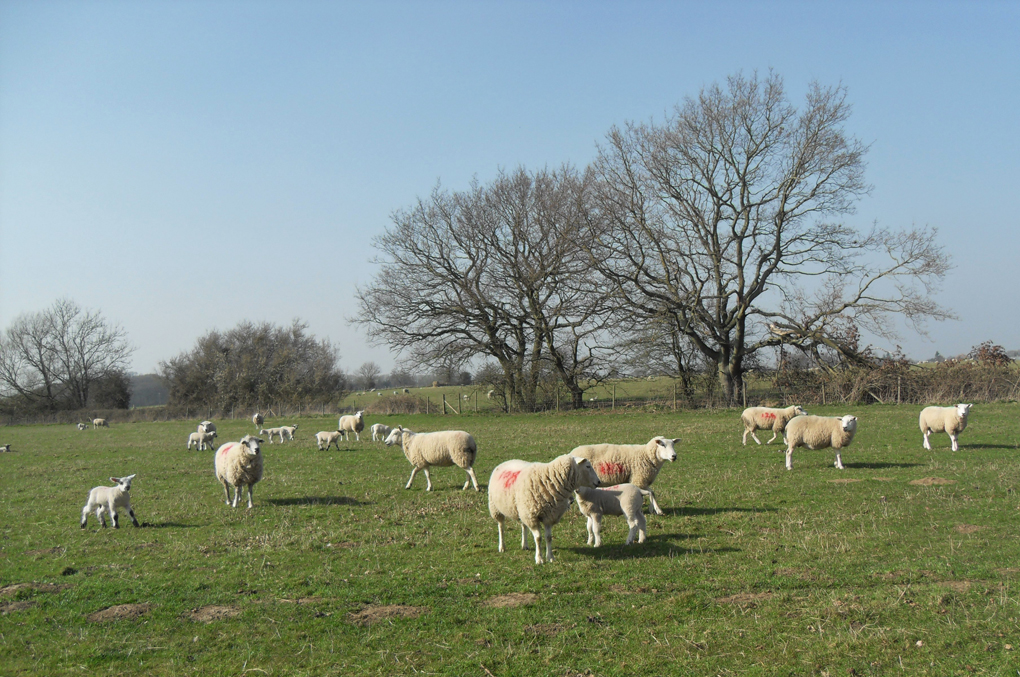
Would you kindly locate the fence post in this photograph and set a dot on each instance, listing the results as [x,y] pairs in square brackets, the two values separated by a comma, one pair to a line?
[743,387]
[444,404]
[557,398]
[426,405]
[674,396]
[823,394]
[897,390]
[614,397]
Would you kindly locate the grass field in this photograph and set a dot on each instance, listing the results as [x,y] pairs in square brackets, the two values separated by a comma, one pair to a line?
[340,571]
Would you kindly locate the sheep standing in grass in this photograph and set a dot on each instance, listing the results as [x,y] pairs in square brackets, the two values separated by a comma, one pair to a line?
[819,432]
[635,463]
[201,440]
[99,423]
[108,499]
[257,420]
[206,427]
[324,439]
[287,431]
[352,424]
[767,418]
[239,464]
[271,432]
[4,448]
[537,495]
[380,431]
[440,449]
[951,420]
[624,500]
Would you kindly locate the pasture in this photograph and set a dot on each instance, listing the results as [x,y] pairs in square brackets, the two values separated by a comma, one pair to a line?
[907,562]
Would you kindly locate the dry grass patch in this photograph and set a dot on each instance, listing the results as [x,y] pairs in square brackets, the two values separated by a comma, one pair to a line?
[15,606]
[968,528]
[931,481]
[746,599]
[119,612]
[511,600]
[212,612]
[374,614]
[547,629]
[843,481]
[11,590]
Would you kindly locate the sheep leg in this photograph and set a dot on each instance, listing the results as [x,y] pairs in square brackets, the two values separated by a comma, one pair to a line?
[250,488]
[357,435]
[428,480]
[927,445]
[226,492]
[237,495]
[642,527]
[655,506]
[499,526]
[548,543]
[99,516]
[132,514]
[952,436]
[755,437]
[744,440]
[524,537]
[774,436]
[414,471]
[789,459]
[588,528]
[472,478]
[839,461]
[84,516]
[596,524]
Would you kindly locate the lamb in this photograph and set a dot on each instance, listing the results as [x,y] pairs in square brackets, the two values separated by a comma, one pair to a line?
[328,437]
[767,418]
[635,463]
[380,431]
[287,430]
[99,423]
[952,420]
[819,432]
[271,432]
[239,464]
[4,448]
[206,427]
[352,424]
[257,419]
[83,426]
[537,495]
[103,499]
[440,449]
[624,500]
[201,440]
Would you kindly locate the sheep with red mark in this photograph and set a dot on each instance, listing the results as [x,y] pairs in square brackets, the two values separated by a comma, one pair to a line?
[537,495]
[439,449]
[239,464]
[635,463]
[768,418]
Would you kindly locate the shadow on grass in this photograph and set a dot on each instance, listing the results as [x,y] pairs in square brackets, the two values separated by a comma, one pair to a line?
[880,465]
[316,500]
[657,546]
[694,512]
[167,525]
[988,446]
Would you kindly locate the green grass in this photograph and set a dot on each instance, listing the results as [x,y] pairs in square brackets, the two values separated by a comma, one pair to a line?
[752,571]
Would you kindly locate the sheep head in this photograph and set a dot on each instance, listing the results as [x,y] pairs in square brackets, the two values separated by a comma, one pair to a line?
[123,482]
[587,477]
[962,410]
[799,411]
[849,423]
[664,450]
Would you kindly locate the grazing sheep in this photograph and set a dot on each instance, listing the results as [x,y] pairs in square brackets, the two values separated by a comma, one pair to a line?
[83,426]
[489,395]
[537,495]
[625,500]
[108,499]
[951,420]
[635,463]
[440,449]
[99,423]
[380,431]
[767,418]
[270,432]
[202,441]
[257,419]
[239,464]
[819,432]
[4,448]
[406,391]
[287,430]
[206,427]
[352,424]
[328,437]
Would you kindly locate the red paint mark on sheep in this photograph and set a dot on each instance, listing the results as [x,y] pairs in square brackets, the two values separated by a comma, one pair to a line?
[607,469]
[509,477]
[226,448]
[768,415]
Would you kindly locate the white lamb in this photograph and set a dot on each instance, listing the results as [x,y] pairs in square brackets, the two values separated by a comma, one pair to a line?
[201,440]
[288,431]
[380,431]
[206,427]
[99,423]
[819,432]
[635,463]
[352,424]
[270,432]
[328,437]
[257,419]
[108,499]
[537,495]
[951,420]
[440,449]
[239,464]
[624,500]
[767,418]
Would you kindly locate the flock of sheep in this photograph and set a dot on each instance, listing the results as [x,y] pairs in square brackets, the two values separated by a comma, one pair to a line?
[534,494]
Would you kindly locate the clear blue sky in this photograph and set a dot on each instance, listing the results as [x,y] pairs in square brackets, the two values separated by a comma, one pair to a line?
[185,165]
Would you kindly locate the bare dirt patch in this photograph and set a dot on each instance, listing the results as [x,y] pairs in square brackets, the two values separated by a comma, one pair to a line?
[212,612]
[968,528]
[511,600]
[931,481]
[374,614]
[300,600]
[16,606]
[884,479]
[748,599]
[47,551]
[843,481]
[956,586]
[11,590]
[119,612]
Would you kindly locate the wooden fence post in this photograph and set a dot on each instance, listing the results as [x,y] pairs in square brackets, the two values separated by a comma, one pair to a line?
[444,404]
[614,397]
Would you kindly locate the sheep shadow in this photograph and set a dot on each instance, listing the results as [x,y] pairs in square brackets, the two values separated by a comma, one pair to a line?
[700,512]
[315,500]
[166,525]
[881,465]
[656,546]
[990,446]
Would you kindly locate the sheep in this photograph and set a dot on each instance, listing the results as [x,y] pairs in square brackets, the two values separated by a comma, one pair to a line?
[103,499]
[819,432]
[287,430]
[328,437]
[380,431]
[99,423]
[624,500]
[239,464]
[489,395]
[83,426]
[635,463]
[406,391]
[206,427]
[440,449]
[271,432]
[767,418]
[4,448]
[352,424]
[537,495]
[201,440]
[952,420]
[257,419]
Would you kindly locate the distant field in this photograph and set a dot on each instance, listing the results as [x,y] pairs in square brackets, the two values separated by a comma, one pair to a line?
[907,562]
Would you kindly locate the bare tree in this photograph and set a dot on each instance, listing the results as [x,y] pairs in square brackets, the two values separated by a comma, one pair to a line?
[721,222]
[369,373]
[496,272]
[54,358]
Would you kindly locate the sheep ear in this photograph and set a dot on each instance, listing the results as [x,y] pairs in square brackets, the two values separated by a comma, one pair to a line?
[115,480]
[676,440]
[658,440]
[260,441]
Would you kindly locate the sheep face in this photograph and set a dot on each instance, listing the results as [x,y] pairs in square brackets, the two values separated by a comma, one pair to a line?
[849,423]
[589,478]
[396,436]
[123,482]
[664,450]
[799,411]
[251,445]
[962,410]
